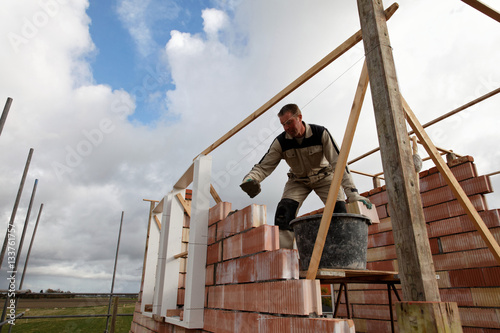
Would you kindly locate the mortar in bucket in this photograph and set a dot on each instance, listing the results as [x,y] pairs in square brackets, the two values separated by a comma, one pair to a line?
[346,242]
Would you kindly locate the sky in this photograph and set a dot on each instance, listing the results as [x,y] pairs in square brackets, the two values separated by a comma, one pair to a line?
[117,97]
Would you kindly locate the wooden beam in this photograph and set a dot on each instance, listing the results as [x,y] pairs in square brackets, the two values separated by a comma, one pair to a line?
[158,223]
[184,204]
[485,9]
[338,174]
[214,194]
[416,268]
[328,59]
[452,182]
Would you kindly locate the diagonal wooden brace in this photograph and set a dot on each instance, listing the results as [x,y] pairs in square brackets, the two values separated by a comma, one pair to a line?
[338,174]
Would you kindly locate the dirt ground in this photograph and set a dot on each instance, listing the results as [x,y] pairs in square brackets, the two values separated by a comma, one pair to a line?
[47,303]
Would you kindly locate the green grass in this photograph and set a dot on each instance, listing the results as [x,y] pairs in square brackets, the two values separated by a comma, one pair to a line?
[71,325]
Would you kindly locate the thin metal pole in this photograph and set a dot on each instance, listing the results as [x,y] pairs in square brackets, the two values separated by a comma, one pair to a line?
[29,249]
[21,242]
[114,272]
[5,113]
[16,204]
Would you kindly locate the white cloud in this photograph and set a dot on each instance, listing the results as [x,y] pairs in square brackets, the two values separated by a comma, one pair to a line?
[242,58]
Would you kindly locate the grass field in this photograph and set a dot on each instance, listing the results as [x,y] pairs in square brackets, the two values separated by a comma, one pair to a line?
[75,306]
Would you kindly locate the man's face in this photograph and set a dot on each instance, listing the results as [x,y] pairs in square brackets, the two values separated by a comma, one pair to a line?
[293,125]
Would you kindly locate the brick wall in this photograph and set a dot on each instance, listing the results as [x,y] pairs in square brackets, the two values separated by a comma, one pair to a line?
[251,284]
[468,273]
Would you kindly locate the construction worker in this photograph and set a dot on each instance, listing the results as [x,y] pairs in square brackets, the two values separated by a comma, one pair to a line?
[312,154]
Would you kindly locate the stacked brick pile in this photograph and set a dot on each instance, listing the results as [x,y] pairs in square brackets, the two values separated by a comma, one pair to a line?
[468,273]
[251,284]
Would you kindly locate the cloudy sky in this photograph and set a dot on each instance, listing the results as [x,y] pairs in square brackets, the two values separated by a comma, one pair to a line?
[117,98]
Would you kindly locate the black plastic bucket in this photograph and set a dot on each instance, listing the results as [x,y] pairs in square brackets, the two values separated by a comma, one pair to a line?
[346,242]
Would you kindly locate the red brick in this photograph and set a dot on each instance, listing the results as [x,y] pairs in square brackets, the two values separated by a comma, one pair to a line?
[380,312]
[491,276]
[479,317]
[382,212]
[379,198]
[249,217]
[449,261]
[263,238]
[473,330]
[460,160]
[232,247]
[462,223]
[380,239]
[386,265]
[431,181]
[381,253]
[434,244]
[214,253]
[462,296]
[452,208]
[210,275]
[467,278]
[273,265]
[384,225]
[218,212]
[467,241]
[212,234]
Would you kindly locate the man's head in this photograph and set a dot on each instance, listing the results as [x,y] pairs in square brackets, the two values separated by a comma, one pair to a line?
[291,119]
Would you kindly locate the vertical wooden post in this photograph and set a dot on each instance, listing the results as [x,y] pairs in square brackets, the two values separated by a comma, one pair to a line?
[410,234]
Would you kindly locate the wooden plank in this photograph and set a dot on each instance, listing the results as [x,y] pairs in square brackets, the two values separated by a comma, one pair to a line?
[485,9]
[410,234]
[214,194]
[452,182]
[158,223]
[328,59]
[181,255]
[338,174]
[184,204]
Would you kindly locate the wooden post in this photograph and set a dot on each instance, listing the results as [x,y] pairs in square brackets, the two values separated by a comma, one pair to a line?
[338,174]
[429,317]
[416,267]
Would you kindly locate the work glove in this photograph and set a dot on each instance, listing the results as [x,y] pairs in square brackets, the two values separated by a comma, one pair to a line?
[353,196]
[251,187]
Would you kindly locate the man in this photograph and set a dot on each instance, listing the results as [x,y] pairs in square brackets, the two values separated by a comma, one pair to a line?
[312,154]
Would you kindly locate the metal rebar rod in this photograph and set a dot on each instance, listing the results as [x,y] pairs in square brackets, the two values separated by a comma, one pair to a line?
[16,204]
[114,272]
[19,250]
[5,113]
[29,248]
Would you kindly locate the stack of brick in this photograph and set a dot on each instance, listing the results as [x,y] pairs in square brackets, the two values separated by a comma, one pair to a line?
[467,271]
[251,284]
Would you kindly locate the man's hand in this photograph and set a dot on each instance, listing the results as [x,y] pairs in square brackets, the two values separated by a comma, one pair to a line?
[354,196]
[251,187]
